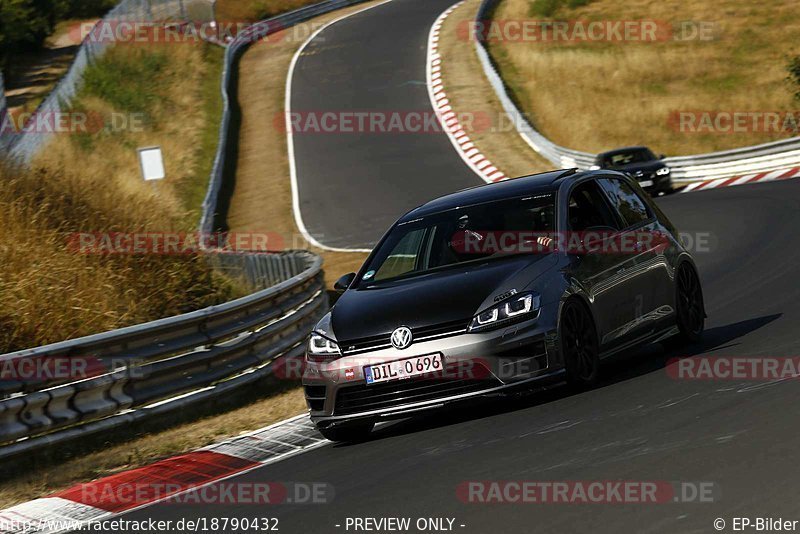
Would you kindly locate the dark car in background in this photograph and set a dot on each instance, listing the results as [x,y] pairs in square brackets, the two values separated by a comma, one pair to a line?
[642,164]
[519,282]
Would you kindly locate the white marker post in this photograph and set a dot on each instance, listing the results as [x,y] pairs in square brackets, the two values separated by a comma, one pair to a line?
[151,163]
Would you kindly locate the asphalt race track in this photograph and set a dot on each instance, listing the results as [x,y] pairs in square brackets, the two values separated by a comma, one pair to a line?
[638,424]
[352,186]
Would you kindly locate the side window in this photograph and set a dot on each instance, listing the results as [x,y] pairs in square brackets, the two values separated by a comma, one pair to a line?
[588,208]
[627,202]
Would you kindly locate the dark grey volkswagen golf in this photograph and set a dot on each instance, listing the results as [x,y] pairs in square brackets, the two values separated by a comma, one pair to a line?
[526,281]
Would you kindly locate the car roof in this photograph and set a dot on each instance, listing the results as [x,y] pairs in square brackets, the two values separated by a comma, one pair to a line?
[622,150]
[505,190]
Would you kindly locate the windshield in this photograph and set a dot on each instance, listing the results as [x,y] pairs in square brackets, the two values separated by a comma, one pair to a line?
[619,159]
[461,235]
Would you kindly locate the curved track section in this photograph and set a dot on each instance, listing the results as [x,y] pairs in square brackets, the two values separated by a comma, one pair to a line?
[351,186]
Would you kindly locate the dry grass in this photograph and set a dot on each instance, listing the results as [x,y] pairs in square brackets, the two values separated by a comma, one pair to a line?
[91,183]
[262,199]
[471,94]
[596,96]
[150,448]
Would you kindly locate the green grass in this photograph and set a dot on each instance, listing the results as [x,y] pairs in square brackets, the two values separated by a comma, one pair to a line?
[131,81]
[192,192]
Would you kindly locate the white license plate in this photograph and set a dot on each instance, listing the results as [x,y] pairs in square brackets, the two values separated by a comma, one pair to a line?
[401,369]
[646,183]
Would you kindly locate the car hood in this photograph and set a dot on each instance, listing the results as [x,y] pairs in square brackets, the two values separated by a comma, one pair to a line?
[644,166]
[433,299]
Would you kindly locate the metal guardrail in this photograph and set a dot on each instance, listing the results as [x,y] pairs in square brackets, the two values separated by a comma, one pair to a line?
[168,364]
[753,159]
[22,146]
[224,162]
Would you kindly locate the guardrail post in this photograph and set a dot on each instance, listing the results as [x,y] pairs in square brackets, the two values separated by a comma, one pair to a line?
[92,398]
[58,409]
[33,414]
[11,426]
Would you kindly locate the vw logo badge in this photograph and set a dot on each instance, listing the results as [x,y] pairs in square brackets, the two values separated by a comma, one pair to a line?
[401,337]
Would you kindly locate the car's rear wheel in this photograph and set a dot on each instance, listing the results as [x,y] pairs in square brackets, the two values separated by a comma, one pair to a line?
[691,317]
[579,345]
[348,433]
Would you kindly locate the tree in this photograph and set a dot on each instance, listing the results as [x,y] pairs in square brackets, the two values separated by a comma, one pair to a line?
[25,24]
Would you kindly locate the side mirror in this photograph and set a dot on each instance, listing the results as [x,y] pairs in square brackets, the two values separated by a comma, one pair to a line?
[662,156]
[344,282]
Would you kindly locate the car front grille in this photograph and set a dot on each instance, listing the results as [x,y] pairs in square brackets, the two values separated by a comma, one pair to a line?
[364,344]
[364,398]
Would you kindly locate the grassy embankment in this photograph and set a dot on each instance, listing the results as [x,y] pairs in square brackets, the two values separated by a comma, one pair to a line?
[598,95]
[89,182]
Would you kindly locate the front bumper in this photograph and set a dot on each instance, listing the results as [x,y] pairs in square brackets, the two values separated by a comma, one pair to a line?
[660,182]
[477,364]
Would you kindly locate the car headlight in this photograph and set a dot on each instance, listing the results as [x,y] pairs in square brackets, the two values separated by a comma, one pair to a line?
[517,308]
[662,171]
[321,348]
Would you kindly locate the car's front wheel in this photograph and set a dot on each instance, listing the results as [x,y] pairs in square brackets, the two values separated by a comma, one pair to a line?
[691,317]
[579,345]
[348,433]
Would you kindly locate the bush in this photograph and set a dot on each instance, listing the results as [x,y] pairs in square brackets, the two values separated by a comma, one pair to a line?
[794,76]
[543,8]
[88,8]
[548,8]
[25,24]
